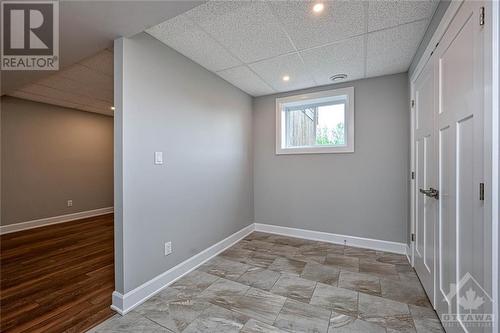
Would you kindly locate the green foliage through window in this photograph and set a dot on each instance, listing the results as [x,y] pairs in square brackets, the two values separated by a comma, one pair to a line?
[331,136]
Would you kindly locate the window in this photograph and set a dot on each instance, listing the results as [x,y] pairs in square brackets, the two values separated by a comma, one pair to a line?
[316,123]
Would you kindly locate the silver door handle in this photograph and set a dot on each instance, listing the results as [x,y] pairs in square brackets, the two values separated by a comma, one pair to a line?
[431,192]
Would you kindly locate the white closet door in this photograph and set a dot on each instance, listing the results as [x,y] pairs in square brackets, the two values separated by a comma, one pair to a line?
[425,177]
[462,245]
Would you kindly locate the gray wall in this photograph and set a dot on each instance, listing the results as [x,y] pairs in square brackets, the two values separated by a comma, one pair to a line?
[360,194]
[71,151]
[203,192]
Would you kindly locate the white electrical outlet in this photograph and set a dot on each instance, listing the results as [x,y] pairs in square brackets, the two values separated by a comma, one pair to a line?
[158,157]
[168,248]
[70,203]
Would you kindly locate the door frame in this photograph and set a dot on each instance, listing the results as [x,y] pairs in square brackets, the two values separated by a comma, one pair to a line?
[492,104]
[491,128]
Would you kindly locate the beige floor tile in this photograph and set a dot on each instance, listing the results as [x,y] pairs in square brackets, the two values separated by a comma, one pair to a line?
[294,287]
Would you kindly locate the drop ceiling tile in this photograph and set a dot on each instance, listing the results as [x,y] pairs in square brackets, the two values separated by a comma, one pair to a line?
[273,70]
[385,14]
[243,78]
[102,62]
[181,34]
[86,75]
[247,29]
[43,99]
[87,85]
[106,111]
[391,51]
[342,57]
[99,104]
[55,94]
[64,84]
[339,20]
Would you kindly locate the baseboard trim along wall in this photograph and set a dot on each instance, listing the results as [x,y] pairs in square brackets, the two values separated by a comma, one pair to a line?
[367,243]
[5,229]
[125,303]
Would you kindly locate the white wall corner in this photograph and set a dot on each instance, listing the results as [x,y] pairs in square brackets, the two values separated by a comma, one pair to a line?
[125,303]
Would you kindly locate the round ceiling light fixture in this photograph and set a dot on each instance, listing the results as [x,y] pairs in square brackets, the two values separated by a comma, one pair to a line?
[337,77]
[286,78]
[318,8]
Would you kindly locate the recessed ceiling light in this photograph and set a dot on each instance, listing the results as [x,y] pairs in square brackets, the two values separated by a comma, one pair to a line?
[338,77]
[318,8]
[286,78]
[112,108]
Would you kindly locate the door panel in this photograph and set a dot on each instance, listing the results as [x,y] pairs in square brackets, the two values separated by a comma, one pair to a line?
[461,241]
[447,231]
[425,174]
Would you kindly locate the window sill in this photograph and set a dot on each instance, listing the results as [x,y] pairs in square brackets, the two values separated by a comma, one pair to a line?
[314,150]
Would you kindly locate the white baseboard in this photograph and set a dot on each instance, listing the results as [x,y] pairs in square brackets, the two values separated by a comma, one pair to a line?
[124,303]
[5,229]
[408,254]
[374,244]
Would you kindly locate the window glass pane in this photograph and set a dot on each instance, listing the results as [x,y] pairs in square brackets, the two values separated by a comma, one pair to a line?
[318,125]
[300,127]
[330,125]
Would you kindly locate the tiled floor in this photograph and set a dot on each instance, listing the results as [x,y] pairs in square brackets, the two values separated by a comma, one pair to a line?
[271,283]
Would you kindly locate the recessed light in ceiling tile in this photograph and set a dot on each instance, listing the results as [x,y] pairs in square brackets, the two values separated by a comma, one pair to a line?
[286,78]
[318,8]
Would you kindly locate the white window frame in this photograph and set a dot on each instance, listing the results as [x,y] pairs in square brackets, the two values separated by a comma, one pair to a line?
[319,96]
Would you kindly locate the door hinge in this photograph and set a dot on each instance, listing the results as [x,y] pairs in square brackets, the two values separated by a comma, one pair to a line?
[412,237]
[413,175]
[481,191]
[481,16]
[412,103]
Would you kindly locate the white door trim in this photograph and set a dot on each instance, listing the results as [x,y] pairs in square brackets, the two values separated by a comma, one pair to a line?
[493,60]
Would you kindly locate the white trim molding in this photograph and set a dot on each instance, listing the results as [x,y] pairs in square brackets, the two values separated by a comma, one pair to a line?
[408,254]
[5,229]
[125,303]
[368,243]
[332,96]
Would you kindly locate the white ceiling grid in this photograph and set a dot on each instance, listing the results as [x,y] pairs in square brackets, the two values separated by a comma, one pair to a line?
[253,44]
[86,85]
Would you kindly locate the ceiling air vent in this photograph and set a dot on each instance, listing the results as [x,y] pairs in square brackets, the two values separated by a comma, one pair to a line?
[337,77]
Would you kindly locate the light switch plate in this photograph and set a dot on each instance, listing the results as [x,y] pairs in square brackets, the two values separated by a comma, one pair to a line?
[158,157]
[168,248]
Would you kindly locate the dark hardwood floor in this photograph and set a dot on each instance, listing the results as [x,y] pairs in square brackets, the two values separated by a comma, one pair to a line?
[57,278]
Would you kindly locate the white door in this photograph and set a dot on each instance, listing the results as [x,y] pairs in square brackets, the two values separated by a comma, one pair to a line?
[425,177]
[463,246]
